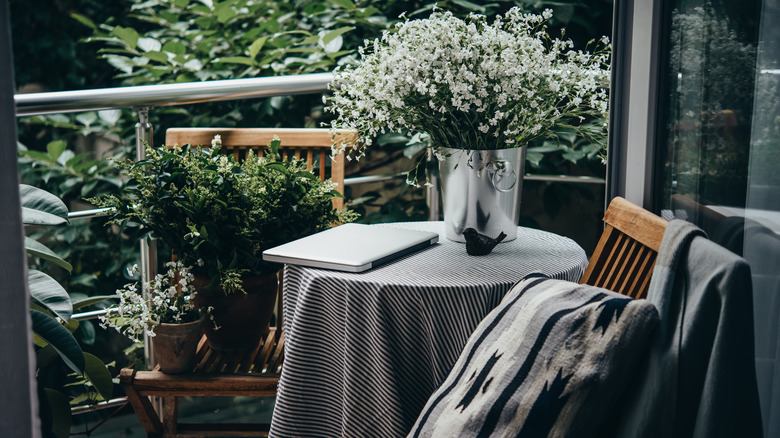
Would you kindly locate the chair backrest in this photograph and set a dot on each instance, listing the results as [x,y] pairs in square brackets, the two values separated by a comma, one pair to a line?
[704,217]
[625,256]
[310,144]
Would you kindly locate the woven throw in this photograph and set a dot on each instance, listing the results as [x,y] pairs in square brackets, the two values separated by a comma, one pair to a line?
[550,361]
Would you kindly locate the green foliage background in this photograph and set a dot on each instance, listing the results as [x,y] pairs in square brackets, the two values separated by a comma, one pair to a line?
[85,44]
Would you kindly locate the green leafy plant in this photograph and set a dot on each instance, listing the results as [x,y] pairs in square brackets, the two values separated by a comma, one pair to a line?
[218,215]
[51,309]
[193,40]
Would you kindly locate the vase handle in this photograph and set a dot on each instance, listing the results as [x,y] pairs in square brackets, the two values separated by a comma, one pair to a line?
[502,175]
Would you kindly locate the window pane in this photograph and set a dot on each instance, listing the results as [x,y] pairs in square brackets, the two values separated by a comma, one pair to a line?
[722,168]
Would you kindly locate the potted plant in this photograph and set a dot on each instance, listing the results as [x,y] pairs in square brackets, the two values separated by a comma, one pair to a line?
[168,316]
[479,92]
[217,215]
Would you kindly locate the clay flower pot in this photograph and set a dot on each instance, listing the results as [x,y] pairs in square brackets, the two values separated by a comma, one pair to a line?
[241,319]
[175,345]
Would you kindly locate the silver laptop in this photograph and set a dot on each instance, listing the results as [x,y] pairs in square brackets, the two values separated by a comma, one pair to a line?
[351,247]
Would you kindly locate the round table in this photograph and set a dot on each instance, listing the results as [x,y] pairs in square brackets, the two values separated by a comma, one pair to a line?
[364,351]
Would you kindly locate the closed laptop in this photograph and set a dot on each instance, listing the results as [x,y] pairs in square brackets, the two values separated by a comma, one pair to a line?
[351,247]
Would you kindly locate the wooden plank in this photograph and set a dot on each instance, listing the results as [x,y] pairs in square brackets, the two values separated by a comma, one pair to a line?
[595,259]
[157,383]
[644,286]
[636,222]
[613,250]
[636,269]
[274,365]
[256,136]
[324,155]
[19,403]
[633,248]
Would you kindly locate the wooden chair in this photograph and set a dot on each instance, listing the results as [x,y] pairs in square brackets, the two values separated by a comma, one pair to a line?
[625,255]
[312,144]
[253,373]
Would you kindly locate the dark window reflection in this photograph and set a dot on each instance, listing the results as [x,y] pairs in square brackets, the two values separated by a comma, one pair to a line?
[721,146]
[711,78]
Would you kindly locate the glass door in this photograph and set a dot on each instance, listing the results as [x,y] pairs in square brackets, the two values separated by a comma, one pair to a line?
[719,144]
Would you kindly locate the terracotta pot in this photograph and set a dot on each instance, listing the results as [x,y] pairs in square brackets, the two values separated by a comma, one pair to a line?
[175,344]
[242,319]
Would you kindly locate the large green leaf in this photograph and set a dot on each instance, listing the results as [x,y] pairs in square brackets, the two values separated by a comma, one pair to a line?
[46,291]
[44,356]
[347,4]
[97,373]
[256,46]
[40,207]
[56,148]
[38,249]
[60,413]
[54,334]
[128,35]
[333,34]
[235,60]
[81,303]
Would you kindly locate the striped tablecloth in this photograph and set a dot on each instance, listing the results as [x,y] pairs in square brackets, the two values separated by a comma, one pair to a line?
[363,352]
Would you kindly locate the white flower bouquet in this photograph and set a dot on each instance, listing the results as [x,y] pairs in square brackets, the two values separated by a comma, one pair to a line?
[469,84]
[170,302]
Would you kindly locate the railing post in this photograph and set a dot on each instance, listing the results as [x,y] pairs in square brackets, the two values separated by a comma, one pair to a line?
[143,137]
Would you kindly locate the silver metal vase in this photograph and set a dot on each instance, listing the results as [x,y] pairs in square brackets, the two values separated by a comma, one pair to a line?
[481,190]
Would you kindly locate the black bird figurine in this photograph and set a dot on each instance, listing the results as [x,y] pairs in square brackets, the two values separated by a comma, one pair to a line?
[480,244]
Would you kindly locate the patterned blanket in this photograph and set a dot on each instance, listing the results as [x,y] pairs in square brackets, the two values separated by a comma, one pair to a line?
[550,361]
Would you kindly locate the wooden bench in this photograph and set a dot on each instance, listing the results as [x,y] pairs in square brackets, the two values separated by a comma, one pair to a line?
[253,373]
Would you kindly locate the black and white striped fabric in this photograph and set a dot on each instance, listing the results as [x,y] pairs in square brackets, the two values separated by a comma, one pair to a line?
[363,352]
[552,360]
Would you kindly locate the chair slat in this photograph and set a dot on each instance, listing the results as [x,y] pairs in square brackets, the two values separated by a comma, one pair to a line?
[618,262]
[611,260]
[623,276]
[274,364]
[647,274]
[323,165]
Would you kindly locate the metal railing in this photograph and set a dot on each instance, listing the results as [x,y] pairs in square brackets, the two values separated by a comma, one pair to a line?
[149,96]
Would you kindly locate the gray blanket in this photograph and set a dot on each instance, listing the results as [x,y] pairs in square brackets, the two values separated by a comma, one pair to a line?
[700,377]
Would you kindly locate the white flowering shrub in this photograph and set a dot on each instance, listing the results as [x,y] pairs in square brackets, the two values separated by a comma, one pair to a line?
[170,301]
[468,83]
